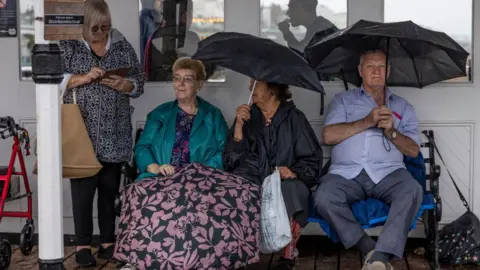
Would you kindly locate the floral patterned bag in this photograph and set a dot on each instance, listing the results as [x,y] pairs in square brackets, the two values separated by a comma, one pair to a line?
[199,218]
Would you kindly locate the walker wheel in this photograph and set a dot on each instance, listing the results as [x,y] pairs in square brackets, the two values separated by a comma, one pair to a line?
[5,254]
[26,239]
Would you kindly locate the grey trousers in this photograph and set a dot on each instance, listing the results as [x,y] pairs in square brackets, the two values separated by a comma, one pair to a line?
[400,190]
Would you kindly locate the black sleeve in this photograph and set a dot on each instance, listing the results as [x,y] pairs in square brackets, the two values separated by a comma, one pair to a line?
[308,153]
[234,152]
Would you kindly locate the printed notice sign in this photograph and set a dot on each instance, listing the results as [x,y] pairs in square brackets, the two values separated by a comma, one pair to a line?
[8,18]
[63,19]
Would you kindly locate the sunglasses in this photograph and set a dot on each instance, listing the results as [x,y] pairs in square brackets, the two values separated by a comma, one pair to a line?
[104,28]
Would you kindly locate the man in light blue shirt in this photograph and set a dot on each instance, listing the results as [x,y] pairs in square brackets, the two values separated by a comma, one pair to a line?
[371,130]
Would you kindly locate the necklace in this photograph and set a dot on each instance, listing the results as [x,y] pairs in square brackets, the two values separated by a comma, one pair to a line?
[191,114]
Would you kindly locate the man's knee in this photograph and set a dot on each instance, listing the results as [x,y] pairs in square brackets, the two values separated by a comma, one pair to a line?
[417,193]
[328,193]
[412,192]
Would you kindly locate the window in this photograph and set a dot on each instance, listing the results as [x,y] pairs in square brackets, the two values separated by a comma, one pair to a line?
[438,15]
[170,29]
[294,22]
[26,37]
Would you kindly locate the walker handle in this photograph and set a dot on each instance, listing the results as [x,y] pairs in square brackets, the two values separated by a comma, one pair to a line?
[7,122]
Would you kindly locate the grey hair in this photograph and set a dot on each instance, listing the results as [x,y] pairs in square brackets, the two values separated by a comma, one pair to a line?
[96,11]
[362,56]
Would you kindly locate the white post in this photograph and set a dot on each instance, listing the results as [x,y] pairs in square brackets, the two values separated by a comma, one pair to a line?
[50,190]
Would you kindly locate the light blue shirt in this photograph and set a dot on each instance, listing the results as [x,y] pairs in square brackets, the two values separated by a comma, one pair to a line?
[368,150]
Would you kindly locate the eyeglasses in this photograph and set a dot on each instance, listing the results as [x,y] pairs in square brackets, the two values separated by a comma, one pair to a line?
[186,79]
[104,28]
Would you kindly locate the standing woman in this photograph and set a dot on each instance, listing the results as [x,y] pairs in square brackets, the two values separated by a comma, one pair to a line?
[105,106]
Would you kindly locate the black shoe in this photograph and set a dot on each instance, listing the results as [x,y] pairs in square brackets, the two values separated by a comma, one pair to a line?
[285,264]
[106,253]
[84,258]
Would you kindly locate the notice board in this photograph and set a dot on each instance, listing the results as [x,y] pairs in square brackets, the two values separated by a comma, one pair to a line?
[8,18]
[63,19]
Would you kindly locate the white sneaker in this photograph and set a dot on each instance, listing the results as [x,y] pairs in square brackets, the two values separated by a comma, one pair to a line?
[375,265]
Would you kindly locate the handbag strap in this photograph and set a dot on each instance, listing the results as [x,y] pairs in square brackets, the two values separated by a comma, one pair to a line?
[74,95]
[462,198]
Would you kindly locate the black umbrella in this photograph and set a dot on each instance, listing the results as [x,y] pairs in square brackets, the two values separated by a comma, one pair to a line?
[258,58]
[417,56]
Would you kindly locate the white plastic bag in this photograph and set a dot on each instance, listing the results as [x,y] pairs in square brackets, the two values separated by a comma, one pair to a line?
[274,223]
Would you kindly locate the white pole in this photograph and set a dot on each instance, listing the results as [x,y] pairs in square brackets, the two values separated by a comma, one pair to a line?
[50,190]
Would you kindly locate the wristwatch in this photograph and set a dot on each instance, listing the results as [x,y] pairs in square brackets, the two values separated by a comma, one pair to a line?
[393,135]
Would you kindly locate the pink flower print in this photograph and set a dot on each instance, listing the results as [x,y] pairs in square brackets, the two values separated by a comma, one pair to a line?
[241,204]
[194,196]
[189,186]
[195,231]
[202,218]
[162,255]
[475,258]
[208,199]
[232,247]
[245,220]
[177,228]
[187,245]
[218,209]
[205,185]
[207,260]
[220,248]
[220,193]
[226,262]
[202,208]
[168,204]
[154,246]
[138,245]
[226,234]
[148,260]
[191,218]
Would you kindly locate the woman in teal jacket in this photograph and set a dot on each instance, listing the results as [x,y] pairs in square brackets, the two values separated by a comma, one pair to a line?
[187,130]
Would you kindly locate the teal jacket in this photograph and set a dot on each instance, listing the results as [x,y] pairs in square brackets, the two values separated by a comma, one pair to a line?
[206,143]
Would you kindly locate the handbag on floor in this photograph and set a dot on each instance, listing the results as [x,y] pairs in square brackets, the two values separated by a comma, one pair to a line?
[78,156]
[459,241]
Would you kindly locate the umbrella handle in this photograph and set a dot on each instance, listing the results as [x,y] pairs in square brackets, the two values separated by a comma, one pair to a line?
[251,93]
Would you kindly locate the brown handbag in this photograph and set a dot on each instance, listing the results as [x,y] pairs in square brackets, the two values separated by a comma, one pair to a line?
[78,156]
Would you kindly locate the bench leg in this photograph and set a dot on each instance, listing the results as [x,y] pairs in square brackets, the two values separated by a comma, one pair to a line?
[432,248]
[435,262]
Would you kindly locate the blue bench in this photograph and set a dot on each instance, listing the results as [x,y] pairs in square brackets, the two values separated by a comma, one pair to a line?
[373,213]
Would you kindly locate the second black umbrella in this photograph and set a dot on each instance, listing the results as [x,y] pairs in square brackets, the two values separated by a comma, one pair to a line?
[258,58]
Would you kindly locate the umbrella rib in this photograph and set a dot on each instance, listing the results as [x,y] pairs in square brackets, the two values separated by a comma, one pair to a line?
[413,61]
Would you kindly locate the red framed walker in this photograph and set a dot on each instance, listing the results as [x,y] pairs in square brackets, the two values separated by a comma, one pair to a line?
[8,128]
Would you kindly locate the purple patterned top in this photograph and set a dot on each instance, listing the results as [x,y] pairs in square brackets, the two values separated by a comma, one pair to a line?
[180,150]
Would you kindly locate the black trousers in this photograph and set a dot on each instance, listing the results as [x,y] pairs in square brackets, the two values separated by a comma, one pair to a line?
[107,181]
